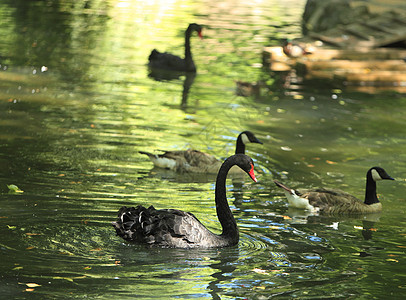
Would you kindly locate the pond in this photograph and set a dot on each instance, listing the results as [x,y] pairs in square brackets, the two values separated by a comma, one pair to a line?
[77,105]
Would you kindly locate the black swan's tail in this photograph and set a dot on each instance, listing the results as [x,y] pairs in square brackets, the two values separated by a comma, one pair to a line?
[134,224]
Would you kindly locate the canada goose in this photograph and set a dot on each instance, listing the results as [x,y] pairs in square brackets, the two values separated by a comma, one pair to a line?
[194,161]
[332,201]
[178,229]
[172,62]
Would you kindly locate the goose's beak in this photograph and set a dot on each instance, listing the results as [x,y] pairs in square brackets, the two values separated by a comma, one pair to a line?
[257,141]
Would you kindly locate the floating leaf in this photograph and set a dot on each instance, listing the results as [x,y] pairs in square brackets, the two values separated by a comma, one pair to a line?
[11,227]
[65,278]
[32,285]
[331,162]
[14,189]
[29,290]
[261,287]
[32,234]
[87,268]
[260,271]
[17,268]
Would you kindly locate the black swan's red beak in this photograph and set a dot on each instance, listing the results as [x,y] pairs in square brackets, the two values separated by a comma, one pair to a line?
[251,173]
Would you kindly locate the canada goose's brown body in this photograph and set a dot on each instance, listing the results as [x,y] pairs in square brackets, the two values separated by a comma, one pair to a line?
[194,161]
[333,201]
[172,228]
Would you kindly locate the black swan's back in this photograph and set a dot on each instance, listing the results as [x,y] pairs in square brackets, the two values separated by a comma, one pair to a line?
[163,227]
[168,61]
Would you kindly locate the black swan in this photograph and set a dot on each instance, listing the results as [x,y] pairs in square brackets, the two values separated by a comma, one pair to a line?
[172,228]
[167,61]
[333,201]
[194,161]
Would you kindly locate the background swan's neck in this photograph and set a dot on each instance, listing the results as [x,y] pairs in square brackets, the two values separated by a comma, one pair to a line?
[188,53]
[224,214]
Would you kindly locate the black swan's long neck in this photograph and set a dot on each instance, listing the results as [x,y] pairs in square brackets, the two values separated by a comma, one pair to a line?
[224,214]
[370,190]
[188,53]
[240,148]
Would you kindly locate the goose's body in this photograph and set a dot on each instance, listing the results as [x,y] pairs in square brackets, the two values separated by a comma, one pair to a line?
[194,161]
[168,61]
[172,228]
[334,201]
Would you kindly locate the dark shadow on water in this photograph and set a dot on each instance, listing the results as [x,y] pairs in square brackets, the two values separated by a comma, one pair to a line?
[164,75]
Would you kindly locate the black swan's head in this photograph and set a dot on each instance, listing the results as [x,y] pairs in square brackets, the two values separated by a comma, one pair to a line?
[245,163]
[195,27]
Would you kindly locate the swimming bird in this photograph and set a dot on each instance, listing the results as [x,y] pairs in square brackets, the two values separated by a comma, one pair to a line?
[168,61]
[172,228]
[194,161]
[334,201]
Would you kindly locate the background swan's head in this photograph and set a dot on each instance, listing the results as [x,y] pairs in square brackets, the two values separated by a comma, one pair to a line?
[196,27]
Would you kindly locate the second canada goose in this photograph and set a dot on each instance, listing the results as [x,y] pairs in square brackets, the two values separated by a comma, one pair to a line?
[194,161]
[333,201]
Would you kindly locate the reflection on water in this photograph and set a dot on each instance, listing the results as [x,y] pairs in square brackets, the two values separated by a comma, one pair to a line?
[189,78]
[70,134]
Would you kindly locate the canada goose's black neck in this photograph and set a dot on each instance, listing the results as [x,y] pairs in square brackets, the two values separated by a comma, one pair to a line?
[240,147]
[224,214]
[370,190]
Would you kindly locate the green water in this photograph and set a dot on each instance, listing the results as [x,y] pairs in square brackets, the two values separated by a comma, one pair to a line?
[76,106]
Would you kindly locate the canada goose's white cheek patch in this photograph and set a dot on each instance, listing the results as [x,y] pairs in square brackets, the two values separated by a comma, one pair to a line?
[245,139]
[375,175]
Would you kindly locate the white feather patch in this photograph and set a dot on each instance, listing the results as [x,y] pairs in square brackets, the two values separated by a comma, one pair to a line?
[245,139]
[299,202]
[163,162]
[375,175]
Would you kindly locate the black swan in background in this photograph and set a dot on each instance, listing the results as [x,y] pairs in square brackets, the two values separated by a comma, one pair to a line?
[332,201]
[172,228]
[194,161]
[172,62]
